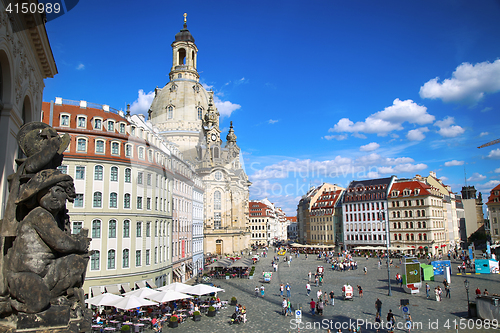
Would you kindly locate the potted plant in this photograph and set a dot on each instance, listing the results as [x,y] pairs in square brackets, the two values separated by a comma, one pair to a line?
[125,329]
[227,276]
[196,316]
[172,322]
[211,311]
[234,301]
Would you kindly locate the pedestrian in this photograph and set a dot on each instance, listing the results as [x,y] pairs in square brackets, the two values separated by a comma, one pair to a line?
[283,307]
[378,322]
[317,281]
[478,292]
[319,293]
[312,304]
[332,298]
[320,280]
[325,298]
[365,269]
[320,306]
[262,291]
[288,290]
[390,320]
[288,307]
[378,306]
[447,289]
[282,287]
[256,291]
[309,277]
[308,288]
[486,293]
[427,289]
[360,291]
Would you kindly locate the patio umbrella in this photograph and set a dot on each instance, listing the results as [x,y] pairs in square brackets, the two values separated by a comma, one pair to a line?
[103,299]
[202,289]
[240,264]
[131,302]
[218,264]
[169,295]
[176,286]
[143,293]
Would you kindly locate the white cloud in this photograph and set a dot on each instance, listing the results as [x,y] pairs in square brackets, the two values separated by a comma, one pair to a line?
[453,163]
[469,83]
[488,185]
[80,66]
[476,177]
[447,129]
[271,121]
[443,178]
[484,133]
[417,134]
[486,109]
[206,86]
[408,167]
[225,107]
[497,170]
[387,120]
[370,147]
[495,153]
[336,137]
[143,102]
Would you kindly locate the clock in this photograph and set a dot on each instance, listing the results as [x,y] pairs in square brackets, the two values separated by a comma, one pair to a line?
[214,137]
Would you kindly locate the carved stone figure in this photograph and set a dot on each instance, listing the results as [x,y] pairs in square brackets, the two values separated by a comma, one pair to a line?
[43,265]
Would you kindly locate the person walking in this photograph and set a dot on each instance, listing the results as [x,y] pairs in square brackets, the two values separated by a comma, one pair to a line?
[325,298]
[288,307]
[378,306]
[288,290]
[427,289]
[317,281]
[308,288]
[390,320]
[448,288]
[312,304]
[262,291]
[332,298]
[360,291]
[283,307]
[320,306]
[282,287]
[365,269]
[309,277]
[256,291]
[319,293]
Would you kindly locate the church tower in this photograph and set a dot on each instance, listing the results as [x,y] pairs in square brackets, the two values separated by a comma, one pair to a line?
[186,115]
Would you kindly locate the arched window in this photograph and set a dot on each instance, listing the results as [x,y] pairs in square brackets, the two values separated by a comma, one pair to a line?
[411,213]
[126,201]
[399,214]
[113,200]
[170,112]
[115,148]
[406,213]
[94,261]
[141,153]
[111,259]
[217,200]
[126,229]
[138,258]
[425,237]
[423,213]
[411,225]
[98,172]
[407,237]
[419,237]
[125,262]
[200,113]
[412,237]
[418,213]
[423,225]
[128,175]
[99,146]
[96,229]
[114,174]
[112,229]
[81,145]
[97,203]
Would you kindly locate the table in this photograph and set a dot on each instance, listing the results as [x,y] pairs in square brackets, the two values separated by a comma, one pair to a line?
[139,327]
[109,329]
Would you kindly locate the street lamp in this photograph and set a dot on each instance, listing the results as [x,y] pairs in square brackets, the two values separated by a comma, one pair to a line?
[387,239]
[466,285]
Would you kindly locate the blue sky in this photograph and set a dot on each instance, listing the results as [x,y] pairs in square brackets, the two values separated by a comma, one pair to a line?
[318,91]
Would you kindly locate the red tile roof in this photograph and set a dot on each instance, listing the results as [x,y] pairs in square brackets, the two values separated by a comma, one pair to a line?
[494,196]
[412,186]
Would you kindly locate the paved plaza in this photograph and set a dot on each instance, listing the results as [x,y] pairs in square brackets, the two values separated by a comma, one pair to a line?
[264,314]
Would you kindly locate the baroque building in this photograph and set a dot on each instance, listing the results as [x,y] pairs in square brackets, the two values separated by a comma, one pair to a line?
[493,205]
[185,114]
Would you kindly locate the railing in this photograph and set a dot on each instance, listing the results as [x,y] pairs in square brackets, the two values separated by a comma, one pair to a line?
[104,107]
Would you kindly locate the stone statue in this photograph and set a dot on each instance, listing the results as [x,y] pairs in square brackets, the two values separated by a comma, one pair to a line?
[43,265]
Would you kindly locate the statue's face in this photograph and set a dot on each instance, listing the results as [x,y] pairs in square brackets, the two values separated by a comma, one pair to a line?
[54,200]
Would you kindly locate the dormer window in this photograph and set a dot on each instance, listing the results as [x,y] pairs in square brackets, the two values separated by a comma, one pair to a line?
[111,126]
[82,122]
[122,128]
[132,130]
[170,112]
[64,120]
[97,124]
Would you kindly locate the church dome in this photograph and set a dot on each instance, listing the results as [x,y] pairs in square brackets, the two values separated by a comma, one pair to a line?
[184,35]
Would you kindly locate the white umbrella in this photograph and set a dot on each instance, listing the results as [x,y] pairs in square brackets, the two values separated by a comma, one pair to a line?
[143,292]
[131,302]
[176,286]
[103,299]
[169,295]
[202,289]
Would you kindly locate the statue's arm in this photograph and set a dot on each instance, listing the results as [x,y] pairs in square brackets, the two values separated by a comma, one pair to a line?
[44,224]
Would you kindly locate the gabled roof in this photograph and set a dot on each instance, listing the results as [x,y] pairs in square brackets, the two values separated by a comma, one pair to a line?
[327,200]
[409,189]
[494,198]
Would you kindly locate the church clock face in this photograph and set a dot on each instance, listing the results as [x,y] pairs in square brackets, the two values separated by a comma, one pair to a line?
[214,137]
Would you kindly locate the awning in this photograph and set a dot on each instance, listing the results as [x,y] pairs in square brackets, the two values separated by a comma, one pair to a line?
[190,266]
[444,245]
[151,284]
[126,287]
[178,272]
[420,247]
[140,284]
[113,289]
[96,291]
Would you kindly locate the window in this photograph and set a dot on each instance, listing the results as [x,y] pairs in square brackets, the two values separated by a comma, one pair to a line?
[81,145]
[115,148]
[81,122]
[111,126]
[97,124]
[112,229]
[125,258]
[114,174]
[150,155]
[64,120]
[122,128]
[111,259]
[94,261]
[217,200]
[147,257]
[96,229]
[63,169]
[148,229]
[80,172]
[97,202]
[138,258]
[148,203]
[128,175]
[113,200]
[170,112]
[98,172]
[149,179]
[126,201]
[99,146]
[200,113]
[217,220]
[141,153]
[139,229]
[128,150]
[139,177]
[77,226]
[139,202]
[78,202]
[126,229]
